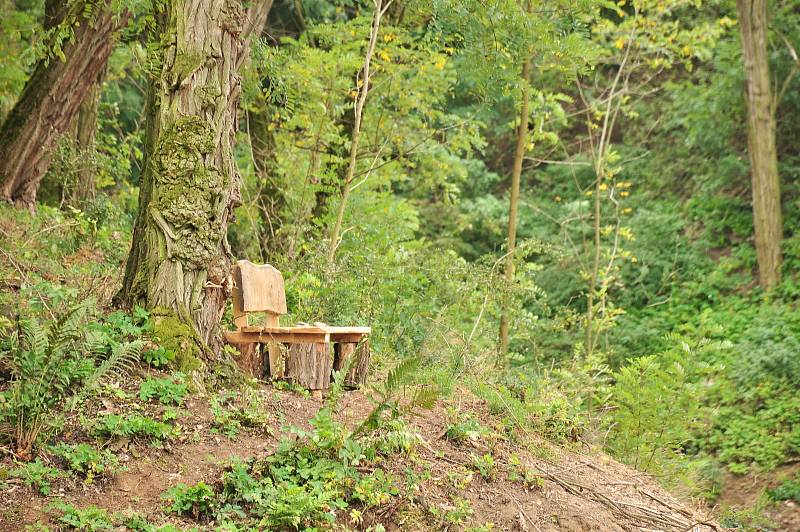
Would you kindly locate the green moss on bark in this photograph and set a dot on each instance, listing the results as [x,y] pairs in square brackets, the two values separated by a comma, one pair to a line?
[189,190]
[176,336]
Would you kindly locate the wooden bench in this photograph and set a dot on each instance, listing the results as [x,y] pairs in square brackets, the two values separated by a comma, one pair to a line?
[301,353]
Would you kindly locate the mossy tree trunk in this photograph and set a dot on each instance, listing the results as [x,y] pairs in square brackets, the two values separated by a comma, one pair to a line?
[767,217]
[180,259]
[52,98]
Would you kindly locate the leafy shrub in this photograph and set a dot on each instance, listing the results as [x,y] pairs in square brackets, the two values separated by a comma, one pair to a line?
[484,465]
[317,473]
[87,519]
[169,390]
[657,404]
[394,437]
[469,429]
[788,490]
[230,416]
[51,366]
[194,500]
[159,357]
[87,460]
[37,475]
[134,425]
[765,437]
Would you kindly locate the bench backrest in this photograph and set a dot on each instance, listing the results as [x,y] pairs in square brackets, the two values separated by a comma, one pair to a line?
[257,288]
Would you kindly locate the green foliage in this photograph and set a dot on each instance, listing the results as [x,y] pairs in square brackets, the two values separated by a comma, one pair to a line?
[87,460]
[648,395]
[236,409]
[89,519]
[484,465]
[747,519]
[194,500]
[37,475]
[158,357]
[518,472]
[169,390]
[52,367]
[314,475]
[788,490]
[470,429]
[134,425]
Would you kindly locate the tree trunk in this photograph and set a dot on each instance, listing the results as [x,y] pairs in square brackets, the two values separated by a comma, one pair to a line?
[52,98]
[271,199]
[85,129]
[180,259]
[516,173]
[767,218]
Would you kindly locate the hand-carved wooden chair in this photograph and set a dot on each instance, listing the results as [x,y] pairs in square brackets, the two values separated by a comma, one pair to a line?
[301,353]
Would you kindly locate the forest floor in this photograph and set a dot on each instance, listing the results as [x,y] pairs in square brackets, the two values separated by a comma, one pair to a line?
[561,489]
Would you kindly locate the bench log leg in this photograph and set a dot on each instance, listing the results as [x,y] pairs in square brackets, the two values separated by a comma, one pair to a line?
[250,359]
[309,365]
[353,357]
[276,362]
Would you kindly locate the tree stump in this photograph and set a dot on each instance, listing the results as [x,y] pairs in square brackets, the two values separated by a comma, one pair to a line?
[250,359]
[309,365]
[354,358]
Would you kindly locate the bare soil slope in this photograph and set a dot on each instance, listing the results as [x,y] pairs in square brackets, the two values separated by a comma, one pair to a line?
[563,489]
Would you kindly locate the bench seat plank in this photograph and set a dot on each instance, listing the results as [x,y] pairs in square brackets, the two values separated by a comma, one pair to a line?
[292,335]
[308,329]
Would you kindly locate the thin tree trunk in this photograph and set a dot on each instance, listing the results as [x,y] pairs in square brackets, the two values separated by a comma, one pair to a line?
[180,259]
[358,112]
[52,98]
[516,174]
[767,217]
[269,196]
[85,129]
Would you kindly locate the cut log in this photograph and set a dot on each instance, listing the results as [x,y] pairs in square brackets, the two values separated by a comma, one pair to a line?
[276,354]
[309,365]
[250,359]
[353,358]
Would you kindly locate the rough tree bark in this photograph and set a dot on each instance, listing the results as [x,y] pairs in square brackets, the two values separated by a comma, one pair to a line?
[516,173]
[180,259]
[85,129]
[52,98]
[767,217]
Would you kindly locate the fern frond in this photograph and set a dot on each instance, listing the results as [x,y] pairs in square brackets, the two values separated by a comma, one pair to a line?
[122,360]
[402,373]
[33,337]
[69,328]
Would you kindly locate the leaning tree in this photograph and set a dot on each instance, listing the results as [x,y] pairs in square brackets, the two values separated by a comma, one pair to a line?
[54,93]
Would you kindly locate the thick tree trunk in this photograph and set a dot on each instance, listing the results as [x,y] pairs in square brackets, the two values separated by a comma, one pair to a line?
[767,218]
[180,259]
[516,173]
[52,98]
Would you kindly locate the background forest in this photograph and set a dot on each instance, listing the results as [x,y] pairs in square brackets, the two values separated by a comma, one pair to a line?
[383,151]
